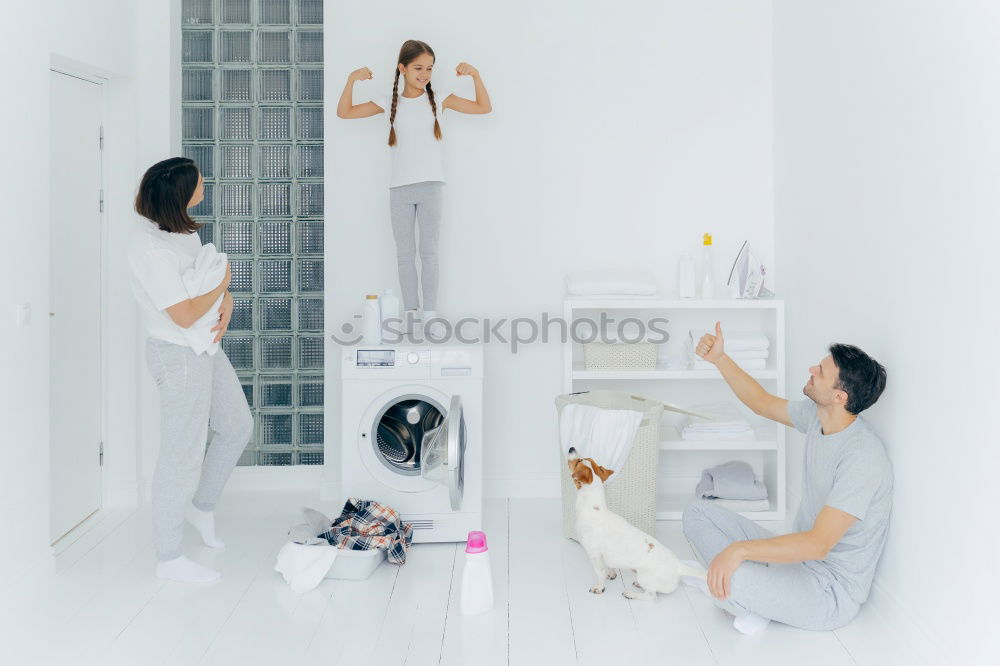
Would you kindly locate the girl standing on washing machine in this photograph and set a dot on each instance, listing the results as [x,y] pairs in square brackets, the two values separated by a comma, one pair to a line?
[418,173]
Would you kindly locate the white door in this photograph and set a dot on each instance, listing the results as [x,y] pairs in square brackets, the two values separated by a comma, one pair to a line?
[75,301]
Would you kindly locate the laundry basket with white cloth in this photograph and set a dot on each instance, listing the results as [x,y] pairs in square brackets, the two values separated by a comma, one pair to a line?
[621,432]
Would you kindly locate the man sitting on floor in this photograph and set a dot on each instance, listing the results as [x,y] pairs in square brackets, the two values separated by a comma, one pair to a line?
[818,576]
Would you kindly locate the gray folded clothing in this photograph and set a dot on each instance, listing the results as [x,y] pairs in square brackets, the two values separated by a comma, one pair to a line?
[732,480]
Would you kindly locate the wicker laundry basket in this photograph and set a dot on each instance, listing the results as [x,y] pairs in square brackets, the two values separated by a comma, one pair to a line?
[631,492]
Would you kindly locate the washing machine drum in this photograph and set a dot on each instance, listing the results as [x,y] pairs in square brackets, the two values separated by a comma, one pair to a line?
[399,434]
[413,437]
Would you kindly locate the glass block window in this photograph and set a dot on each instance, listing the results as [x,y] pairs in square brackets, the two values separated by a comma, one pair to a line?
[252,120]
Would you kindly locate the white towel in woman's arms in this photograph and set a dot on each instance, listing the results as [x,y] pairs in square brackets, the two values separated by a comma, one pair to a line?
[205,274]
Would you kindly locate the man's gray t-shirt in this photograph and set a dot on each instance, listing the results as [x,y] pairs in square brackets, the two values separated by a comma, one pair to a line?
[850,471]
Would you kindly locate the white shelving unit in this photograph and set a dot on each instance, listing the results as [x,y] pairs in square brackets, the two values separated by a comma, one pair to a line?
[681,461]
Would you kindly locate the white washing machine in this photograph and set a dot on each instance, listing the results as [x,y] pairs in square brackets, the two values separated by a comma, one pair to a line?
[413,435]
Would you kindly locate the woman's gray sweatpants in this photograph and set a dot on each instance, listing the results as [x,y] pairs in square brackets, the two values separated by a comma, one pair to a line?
[408,204]
[197,392]
[803,594]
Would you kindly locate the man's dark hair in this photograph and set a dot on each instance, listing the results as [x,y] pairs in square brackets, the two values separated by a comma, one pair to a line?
[164,194]
[861,377]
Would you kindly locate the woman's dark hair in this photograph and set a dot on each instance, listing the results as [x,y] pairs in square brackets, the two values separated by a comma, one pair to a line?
[164,193]
[409,52]
[861,377]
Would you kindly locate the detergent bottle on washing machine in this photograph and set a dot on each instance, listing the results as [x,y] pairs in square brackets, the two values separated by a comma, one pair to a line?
[477,579]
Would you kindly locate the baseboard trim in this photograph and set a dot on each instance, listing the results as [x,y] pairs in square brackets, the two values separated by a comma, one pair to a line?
[516,486]
[919,642]
[295,478]
[899,620]
[306,478]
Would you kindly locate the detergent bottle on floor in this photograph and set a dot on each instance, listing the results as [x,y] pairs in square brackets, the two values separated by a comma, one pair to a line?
[477,579]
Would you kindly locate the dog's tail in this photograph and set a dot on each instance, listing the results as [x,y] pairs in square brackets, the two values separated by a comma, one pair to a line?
[692,571]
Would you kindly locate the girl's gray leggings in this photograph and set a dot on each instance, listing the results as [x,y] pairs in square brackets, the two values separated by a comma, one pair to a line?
[197,392]
[801,594]
[407,205]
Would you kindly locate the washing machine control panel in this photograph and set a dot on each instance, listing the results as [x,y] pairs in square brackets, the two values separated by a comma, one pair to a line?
[443,362]
[376,358]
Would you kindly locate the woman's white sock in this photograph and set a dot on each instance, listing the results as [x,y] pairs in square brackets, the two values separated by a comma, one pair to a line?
[204,522]
[185,571]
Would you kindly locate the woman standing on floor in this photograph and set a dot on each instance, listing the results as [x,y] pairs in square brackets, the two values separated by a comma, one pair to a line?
[197,390]
[418,172]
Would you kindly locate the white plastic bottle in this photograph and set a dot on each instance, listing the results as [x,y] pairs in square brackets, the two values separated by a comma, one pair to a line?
[686,276]
[707,271]
[477,579]
[388,304]
[372,325]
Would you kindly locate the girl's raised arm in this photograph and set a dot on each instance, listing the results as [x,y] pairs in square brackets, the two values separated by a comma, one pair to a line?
[345,109]
[482,102]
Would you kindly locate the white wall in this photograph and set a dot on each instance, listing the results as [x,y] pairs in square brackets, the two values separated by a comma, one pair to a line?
[618,135]
[98,38]
[887,159]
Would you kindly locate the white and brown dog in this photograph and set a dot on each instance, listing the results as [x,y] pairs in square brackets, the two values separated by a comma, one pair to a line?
[612,543]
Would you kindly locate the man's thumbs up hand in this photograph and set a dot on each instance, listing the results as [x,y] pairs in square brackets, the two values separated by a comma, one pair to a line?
[711,347]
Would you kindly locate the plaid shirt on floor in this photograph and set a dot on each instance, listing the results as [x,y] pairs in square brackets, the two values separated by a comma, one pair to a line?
[364,525]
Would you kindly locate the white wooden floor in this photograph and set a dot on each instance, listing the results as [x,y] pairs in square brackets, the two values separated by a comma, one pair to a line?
[98,602]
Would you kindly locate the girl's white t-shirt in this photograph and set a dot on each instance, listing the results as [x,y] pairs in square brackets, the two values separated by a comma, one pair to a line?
[418,155]
[157,260]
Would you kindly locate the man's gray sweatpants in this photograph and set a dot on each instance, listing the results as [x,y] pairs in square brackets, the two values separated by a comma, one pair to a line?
[408,205]
[803,594]
[197,391]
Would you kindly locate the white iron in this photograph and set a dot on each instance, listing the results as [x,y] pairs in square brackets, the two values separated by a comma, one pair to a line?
[748,275]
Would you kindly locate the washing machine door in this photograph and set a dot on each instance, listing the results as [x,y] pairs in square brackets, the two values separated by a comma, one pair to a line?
[443,453]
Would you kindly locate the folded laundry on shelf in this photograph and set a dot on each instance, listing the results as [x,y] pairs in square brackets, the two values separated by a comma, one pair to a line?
[748,354]
[610,283]
[732,480]
[750,351]
[734,340]
[726,423]
[744,434]
[748,364]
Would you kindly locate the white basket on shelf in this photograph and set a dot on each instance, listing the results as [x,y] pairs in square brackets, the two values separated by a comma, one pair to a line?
[619,356]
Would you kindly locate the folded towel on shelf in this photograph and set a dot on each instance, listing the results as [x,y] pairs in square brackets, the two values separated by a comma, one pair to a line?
[748,364]
[735,340]
[205,274]
[748,354]
[610,283]
[606,435]
[744,505]
[743,355]
[731,480]
[744,434]
[720,420]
